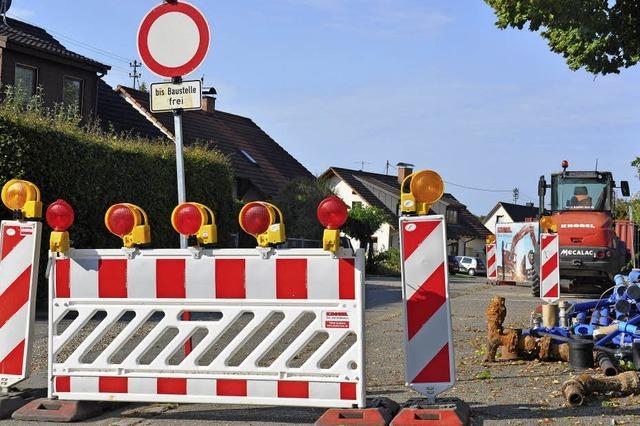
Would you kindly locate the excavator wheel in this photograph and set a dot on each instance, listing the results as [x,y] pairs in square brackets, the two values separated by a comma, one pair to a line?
[535,284]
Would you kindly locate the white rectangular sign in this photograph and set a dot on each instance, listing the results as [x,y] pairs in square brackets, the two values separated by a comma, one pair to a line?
[166,97]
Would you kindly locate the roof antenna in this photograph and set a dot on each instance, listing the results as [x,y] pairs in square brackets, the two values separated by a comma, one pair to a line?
[4,8]
[596,164]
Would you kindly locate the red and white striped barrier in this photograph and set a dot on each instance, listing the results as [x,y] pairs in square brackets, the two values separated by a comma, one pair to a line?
[19,259]
[279,328]
[549,268]
[492,265]
[430,366]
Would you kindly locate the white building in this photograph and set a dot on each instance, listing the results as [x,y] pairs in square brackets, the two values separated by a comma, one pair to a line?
[509,213]
[465,233]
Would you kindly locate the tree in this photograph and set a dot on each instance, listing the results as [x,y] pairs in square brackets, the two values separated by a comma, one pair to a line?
[143,87]
[601,36]
[299,201]
[622,208]
[362,223]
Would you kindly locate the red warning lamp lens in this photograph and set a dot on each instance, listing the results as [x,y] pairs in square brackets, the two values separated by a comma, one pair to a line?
[565,164]
[60,216]
[255,218]
[332,212]
[121,220]
[188,219]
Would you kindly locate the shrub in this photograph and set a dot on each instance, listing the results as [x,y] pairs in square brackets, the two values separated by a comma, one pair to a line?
[92,170]
[386,263]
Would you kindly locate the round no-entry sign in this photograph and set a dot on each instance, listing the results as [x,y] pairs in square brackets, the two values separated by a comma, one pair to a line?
[173,39]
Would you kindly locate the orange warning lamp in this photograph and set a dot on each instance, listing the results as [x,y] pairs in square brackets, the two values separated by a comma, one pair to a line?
[60,217]
[548,225]
[332,214]
[195,219]
[128,222]
[419,191]
[264,221]
[491,239]
[22,197]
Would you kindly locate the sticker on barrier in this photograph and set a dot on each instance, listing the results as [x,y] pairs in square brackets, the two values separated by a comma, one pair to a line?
[279,329]
[549,268]
[430,367]
[19,258]
[492,265]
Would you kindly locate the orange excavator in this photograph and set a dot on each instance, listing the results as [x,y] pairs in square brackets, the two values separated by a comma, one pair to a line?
[582,203]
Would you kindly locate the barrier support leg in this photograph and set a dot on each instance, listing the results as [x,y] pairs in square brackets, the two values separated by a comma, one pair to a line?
[54,410]
[444,412]
[379,412]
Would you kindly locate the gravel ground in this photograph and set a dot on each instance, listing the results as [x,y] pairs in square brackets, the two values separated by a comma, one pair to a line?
[508,392]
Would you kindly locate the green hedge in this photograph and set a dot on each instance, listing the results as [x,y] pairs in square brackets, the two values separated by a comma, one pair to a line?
[92,170]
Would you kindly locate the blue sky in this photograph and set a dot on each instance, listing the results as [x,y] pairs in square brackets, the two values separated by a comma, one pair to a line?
[434,83]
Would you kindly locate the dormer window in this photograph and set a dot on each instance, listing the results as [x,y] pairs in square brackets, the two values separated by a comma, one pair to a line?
[249,157]
[452,216]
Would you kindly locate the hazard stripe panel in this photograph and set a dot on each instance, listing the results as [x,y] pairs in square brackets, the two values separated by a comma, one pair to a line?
[430,367]
[287,389]
[19,259]
[206,278]
[549,268]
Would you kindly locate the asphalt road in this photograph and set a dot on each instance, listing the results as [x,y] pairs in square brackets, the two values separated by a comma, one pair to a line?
[499,393]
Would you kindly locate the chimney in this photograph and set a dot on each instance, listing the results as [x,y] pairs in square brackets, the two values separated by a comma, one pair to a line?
[209,99]
[404,170]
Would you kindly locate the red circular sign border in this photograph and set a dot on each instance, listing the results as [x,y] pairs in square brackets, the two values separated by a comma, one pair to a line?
[143,33]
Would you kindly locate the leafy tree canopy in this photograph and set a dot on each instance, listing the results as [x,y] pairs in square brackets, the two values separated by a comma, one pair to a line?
[601,36]
[362,223]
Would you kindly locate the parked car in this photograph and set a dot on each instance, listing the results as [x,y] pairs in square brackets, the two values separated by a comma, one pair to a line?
[471,265]
[454,266]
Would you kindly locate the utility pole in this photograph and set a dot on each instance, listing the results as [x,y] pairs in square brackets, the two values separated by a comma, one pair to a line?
[135,75]
[516,195]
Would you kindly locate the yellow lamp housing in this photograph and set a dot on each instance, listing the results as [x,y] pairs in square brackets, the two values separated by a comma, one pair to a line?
[491,239]
[130,223]
[268,233]
[183,220]
[419,191]
[548,225]
[59,242]
[23,197]
[331,240]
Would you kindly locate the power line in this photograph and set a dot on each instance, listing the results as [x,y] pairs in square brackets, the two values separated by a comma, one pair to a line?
[78,42]
[478,189]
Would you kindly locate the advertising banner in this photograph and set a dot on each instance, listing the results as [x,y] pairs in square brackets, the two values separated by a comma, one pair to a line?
[517,251]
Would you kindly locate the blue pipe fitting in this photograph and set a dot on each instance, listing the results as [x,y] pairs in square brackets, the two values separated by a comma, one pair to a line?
[595,318]
[625,327]
[581,317]
[619,279]
[634,276]
[583,329]
[604,317]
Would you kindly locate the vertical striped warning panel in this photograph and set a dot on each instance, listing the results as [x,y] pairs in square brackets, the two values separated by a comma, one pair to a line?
[549,268]
[19,256]
[492,266]
[430,367]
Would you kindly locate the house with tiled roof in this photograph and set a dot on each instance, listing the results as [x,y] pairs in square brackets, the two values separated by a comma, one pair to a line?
[509,212]
[261,166]
[465,233]
[32,58]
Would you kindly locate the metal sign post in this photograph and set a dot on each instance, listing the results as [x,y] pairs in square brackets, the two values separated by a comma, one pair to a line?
[182,191]
[173,40]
